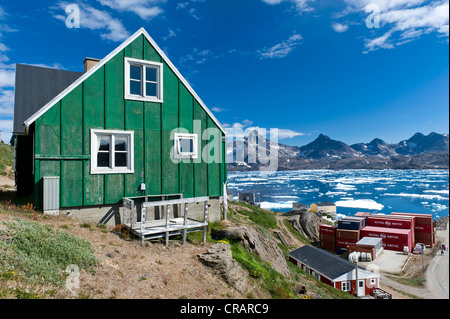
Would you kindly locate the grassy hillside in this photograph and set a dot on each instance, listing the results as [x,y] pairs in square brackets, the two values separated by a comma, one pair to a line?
[6,158]
[262,273]
[36,249]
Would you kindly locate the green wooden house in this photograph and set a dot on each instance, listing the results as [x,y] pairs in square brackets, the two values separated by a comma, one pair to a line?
[129,126]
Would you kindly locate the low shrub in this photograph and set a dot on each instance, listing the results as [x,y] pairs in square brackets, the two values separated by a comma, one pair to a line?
[42,252]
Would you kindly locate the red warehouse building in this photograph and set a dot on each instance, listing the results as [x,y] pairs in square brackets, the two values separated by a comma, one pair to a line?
[335,271]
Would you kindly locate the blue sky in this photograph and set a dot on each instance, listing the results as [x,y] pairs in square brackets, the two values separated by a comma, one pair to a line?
[303,66]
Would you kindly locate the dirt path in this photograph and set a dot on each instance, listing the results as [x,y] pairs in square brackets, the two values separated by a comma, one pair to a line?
[437,272]
[437,278]
[293,241]
[6,181]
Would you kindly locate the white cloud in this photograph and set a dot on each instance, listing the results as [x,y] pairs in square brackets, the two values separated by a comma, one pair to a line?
[282,49]
[94,19]
[240,130]
[7,77]
[187,5]
[218,109]
[6,127]
[338,27]
[143,8]
[197,56]
[300,5]
[403,21]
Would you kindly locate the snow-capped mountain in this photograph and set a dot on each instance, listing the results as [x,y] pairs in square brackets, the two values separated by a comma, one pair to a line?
[418,152]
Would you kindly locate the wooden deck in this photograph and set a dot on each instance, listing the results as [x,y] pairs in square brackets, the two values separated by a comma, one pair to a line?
[166,226]
[157,228]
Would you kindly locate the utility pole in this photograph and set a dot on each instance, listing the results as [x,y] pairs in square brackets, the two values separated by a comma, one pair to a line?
[423,269]
[356,271]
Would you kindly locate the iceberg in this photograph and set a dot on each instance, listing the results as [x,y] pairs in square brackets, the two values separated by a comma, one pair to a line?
[360,203]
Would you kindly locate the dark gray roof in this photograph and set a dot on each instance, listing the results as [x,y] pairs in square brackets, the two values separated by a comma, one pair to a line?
[35,87]
[323,262]
[325,204]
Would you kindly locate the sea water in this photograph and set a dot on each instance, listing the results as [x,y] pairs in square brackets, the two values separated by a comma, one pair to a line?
[375,191]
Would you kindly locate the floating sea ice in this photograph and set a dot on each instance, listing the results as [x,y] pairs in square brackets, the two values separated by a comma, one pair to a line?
[360,203]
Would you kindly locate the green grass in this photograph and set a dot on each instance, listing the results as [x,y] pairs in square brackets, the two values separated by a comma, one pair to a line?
[270,280]
[42,252]
[262,273]
[258,215]
[6,157]
[300,237]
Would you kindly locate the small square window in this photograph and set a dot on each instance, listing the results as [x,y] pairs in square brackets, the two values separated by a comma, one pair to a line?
[112,152]
[185,145]
[345,286]
[143,80]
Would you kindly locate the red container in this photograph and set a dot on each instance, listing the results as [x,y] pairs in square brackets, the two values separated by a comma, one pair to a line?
[393,238]
[327,245]
[390,222]
[328,237]
[347,234]
[423,229]
[345,242]
[425,238]
[421,219]
[327,229]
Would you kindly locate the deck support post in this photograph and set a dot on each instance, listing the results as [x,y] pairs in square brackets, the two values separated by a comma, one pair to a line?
[186,208]
[167,225]
[143,219]
[132,214]
[205,220]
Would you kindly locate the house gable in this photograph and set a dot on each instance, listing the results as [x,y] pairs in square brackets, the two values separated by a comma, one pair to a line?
[96,102]
[157,55]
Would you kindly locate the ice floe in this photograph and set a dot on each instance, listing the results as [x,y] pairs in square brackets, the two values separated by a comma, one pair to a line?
[360,203]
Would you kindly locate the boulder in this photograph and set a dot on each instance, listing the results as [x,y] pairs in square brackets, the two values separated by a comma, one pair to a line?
[220,259]
[258,243]
[307,224]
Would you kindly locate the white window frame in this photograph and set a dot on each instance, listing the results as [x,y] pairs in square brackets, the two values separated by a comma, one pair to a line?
[112,169]
[346,286]
[159,80]
[177,150]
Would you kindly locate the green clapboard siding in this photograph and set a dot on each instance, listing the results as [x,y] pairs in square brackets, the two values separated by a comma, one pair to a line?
[200,166]
[63,134]
[94,118]
[114,120]
[169,122]
[153,163]
[214,158]
[186,109]
[71,180]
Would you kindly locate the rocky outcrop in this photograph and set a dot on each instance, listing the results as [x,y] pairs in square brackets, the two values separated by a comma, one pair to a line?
[257,243]
[220,259]
[306,223]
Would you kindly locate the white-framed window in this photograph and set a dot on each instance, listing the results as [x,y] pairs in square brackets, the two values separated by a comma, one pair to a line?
[143,80]
[185,145]
[345,286]
[112,152]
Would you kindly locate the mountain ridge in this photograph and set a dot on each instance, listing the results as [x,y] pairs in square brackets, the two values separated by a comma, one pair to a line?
[418,152]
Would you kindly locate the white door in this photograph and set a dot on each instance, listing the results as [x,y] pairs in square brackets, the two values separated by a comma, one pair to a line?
[361,288]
